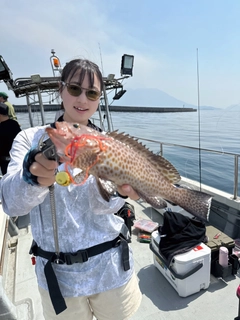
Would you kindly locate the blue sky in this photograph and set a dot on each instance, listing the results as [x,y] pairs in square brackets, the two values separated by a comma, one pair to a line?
[163,36]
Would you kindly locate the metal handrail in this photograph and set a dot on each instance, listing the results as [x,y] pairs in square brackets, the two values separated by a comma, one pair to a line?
[235,155]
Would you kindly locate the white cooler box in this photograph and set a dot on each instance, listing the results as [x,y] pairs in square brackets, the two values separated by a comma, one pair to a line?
[188,272]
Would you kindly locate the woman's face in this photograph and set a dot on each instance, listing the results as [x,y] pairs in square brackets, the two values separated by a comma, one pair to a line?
[79,109]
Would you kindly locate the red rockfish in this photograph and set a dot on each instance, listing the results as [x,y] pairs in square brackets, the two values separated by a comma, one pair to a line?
[116,159]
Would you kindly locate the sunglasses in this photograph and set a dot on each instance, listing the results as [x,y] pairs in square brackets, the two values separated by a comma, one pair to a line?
[75,91]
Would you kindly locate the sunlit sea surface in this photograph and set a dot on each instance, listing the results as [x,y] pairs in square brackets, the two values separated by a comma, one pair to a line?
[217,129]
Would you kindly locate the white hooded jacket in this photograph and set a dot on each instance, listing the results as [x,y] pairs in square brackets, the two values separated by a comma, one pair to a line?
[84,219]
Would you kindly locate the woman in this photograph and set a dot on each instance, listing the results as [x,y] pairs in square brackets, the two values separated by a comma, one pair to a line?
[96,284]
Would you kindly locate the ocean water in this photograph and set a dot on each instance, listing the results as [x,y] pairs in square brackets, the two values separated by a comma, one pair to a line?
[217,129]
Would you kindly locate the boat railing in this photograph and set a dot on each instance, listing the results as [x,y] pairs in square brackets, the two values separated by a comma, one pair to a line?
[235,156]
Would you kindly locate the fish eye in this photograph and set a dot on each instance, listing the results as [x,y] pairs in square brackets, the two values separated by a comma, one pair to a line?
[76,125]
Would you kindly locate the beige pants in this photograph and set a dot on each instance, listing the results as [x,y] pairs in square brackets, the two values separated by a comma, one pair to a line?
[116,304]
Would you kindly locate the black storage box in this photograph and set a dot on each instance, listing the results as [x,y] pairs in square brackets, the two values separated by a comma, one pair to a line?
[220,271]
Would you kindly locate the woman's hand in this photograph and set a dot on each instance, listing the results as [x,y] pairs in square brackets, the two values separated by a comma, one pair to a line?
[44,170]
[127,190]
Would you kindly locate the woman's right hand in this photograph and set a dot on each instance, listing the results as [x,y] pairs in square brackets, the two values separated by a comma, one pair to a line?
[44,170]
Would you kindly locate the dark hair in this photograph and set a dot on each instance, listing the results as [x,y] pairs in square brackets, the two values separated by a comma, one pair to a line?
[85,67]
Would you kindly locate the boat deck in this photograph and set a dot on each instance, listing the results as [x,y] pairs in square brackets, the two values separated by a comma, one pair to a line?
[159,301]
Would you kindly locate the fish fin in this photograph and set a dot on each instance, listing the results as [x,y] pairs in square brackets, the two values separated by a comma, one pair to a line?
[195,202]
[80,177]
[155,202]
[165,168]
[160,163]
[109,186]
[106,188]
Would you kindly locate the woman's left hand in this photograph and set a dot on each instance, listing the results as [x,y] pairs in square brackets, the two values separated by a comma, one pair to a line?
[127,190]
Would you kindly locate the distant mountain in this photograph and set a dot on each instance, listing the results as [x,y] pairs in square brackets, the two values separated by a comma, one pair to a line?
[234,107]
[152,98]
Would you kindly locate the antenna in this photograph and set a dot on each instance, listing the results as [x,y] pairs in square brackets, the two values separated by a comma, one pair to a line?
[101,58]
[199,127]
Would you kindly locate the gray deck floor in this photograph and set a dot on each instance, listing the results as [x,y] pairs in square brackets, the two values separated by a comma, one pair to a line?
[160,300]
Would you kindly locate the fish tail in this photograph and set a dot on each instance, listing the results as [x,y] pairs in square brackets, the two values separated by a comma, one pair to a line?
[195,202]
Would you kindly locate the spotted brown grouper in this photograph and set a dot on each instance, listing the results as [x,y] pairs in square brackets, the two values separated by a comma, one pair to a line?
[116,159]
